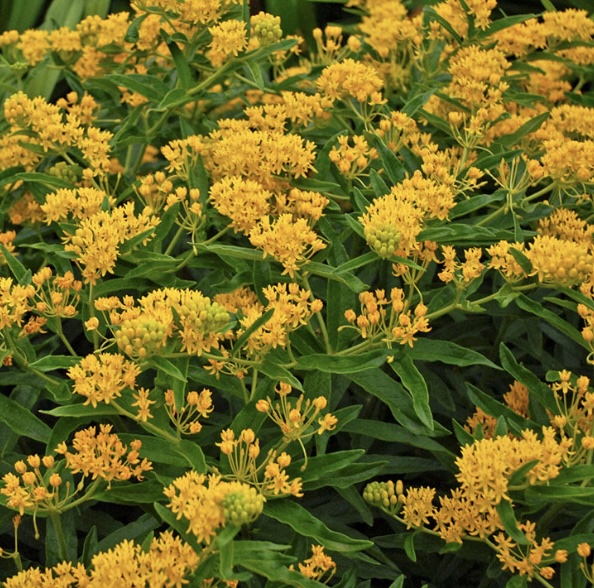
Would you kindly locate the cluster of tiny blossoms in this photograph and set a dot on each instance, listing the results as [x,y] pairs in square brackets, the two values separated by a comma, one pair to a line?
[97,454]
[390,319]
[485,468]
[167,563]
[210,503]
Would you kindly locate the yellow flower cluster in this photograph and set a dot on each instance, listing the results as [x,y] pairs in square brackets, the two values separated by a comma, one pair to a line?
[32,490]
[245,202]
[293,307]
[210,503]
[97,240]
[54,129]
[56,296]
[461,273]
[167,564]
[290,241]
[185,418]
[527,560]
[351,79]
[295,419]
[269,477]
[320,566]
[76,204]
[266,155]
[476,93]
[15,301]
[392,223]
[391,319]
[485,468]
[103,377]
[352,160]
[229,38]
[143,330]
[504,262]
[458,14]
[574,418]
[101,454]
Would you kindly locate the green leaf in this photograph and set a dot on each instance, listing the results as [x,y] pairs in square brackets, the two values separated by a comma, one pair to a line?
[224,251]
[149,86]
[496,409]
[82,410]
[447,352]
[414,382]
[9,175]
[54,362]
[277,372]
[133,32]
[21,274]
[357,262]
[158,450]
[139,527]
[184,73]
[409,547]
[392,433]
[166,366]
[193,455]
[510,524]
[321,467]
[352,281]
[538,389]
[393,167]
[22,421]
[431,14]
[528,127]
[391,393]
[460,233]
[303,522]
[141,493]
[521,259]
[553,319]
[252,329]
[178,525]
[560,494]
[274,567]
[333,364]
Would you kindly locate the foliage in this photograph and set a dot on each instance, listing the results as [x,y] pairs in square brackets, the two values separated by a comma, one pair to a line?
[288,313]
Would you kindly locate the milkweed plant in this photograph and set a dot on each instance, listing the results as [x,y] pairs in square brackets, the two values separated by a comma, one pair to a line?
[277,313]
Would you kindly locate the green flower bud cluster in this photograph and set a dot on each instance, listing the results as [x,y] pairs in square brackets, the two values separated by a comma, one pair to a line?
[203,315]
[383,241]
[384,494]
[243,506]
[65,171]
[266,28]
[140,337]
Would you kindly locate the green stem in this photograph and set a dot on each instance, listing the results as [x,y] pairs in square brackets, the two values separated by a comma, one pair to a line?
[457,306]
[320,318]
[214,238]
[254,384]
[542,192]
[94,334]
[64,340]
[246,394]
[174,241]
[85,497]
[185,260]
[148,426]
[62,550]
[492,216]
